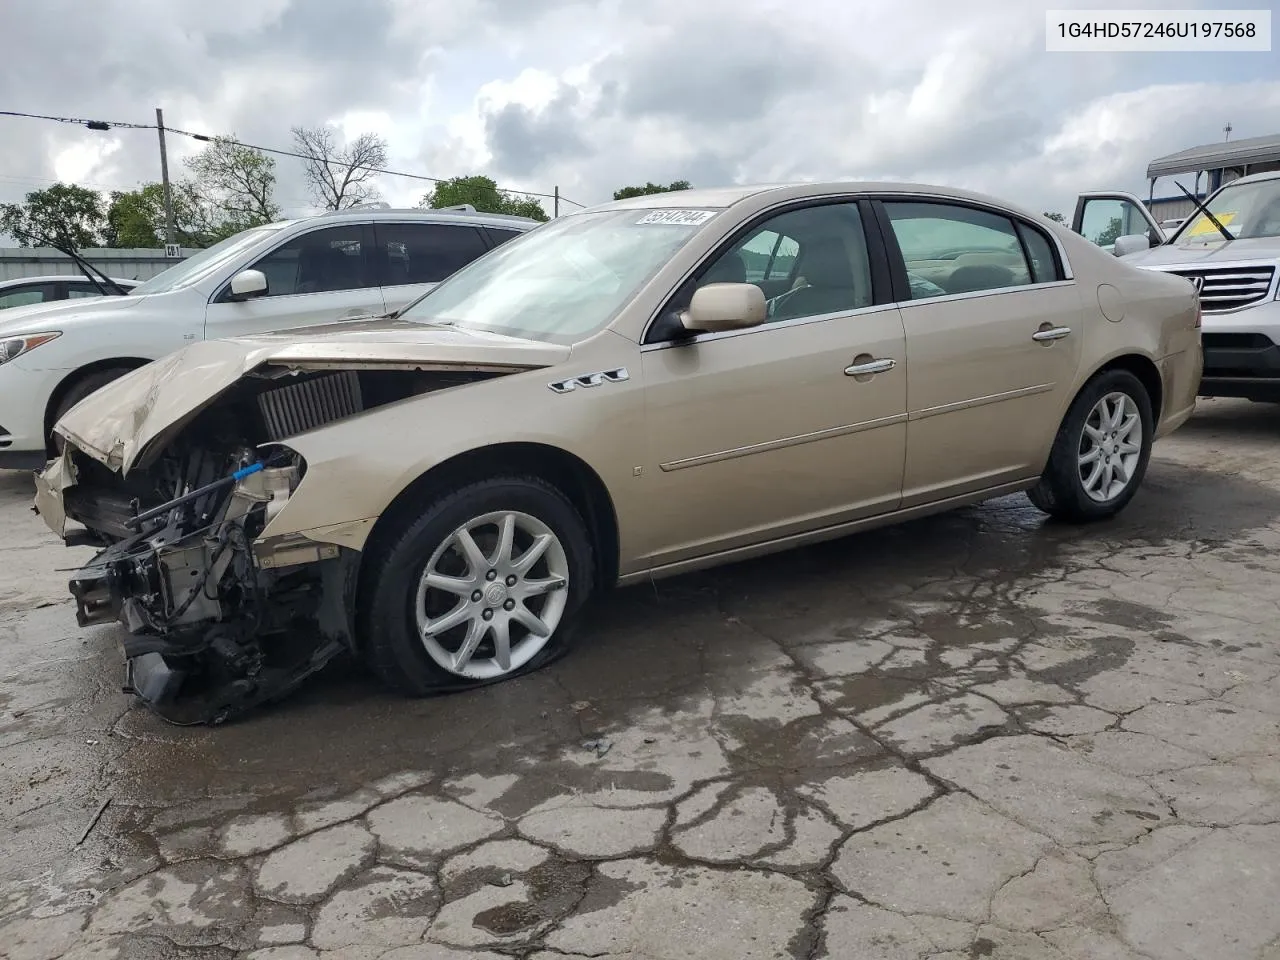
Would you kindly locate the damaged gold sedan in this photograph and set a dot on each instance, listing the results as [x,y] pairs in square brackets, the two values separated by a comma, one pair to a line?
[648,387]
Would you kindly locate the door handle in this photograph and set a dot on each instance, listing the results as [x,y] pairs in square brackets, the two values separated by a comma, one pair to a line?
[1053,333]
[870,367]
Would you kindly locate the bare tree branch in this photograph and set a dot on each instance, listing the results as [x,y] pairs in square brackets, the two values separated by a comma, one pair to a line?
[340,177]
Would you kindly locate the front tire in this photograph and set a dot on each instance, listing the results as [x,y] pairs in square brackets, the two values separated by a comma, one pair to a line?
[1100,454]
[485,585]
[86,385]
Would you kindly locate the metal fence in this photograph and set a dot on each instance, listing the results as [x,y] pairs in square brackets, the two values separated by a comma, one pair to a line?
[125,264]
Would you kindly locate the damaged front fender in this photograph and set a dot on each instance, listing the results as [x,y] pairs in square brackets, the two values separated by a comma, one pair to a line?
[131,419]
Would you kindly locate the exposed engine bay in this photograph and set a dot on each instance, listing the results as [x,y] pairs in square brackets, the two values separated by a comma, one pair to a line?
[213,630]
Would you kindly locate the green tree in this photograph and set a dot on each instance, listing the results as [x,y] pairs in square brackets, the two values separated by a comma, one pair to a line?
[483,194]
[63,215]
[1109,236]
[649,188]
[1055,216]
[135,218]
[231,189]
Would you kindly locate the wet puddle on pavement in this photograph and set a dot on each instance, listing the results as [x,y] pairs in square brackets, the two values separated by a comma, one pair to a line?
[977,731]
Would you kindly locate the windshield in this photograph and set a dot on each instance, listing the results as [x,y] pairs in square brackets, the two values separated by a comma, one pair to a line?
[563,280]
[1248,211]
[198,266]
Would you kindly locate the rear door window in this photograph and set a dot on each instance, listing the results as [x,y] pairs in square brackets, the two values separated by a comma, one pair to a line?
[950,248]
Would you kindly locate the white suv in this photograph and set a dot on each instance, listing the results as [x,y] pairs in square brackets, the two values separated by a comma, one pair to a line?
[322,269]
[1235,262]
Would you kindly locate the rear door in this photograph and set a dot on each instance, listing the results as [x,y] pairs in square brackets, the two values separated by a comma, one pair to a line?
[993,340]
[322,276]
[414,256]
[1102,217]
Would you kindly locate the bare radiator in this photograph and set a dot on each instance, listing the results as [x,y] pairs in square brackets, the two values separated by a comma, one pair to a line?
[304,406]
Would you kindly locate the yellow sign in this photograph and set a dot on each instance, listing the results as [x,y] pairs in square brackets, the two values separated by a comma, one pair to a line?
[1204,225]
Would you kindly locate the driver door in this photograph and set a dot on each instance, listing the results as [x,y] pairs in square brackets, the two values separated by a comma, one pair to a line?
[322,276]
[1101,218]
[800,423]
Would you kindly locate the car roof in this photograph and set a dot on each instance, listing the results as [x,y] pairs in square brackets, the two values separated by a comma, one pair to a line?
[429,215]
[796,190]
[60,277]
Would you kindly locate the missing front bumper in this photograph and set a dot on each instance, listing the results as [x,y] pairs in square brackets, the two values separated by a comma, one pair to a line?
[210,632]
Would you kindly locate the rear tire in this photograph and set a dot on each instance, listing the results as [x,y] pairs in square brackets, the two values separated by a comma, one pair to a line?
[78,390]
[1100,454]
[485,585]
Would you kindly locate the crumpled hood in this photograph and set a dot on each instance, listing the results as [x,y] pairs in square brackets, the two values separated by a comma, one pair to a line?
[1206,254]
[36,317]
[116,423]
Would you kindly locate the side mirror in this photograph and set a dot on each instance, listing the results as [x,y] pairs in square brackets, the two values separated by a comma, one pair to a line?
[724,306]
[248,283]
[1132,243]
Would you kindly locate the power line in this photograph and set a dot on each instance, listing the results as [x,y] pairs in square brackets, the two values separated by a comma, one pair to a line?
[206,138]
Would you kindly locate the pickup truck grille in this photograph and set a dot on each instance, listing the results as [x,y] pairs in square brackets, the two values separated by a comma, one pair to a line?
[1230,288]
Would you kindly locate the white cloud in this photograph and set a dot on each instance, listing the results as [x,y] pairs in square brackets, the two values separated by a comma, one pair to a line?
[591,95]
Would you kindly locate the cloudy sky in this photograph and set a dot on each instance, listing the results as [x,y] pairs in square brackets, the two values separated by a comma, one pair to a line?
[596,94]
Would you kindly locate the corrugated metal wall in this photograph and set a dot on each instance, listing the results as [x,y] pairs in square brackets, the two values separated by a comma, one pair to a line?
[127,264]
[1171,208]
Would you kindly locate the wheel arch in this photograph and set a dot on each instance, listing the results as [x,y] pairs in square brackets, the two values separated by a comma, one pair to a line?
[75,376]
[570,474]
[1140,365]
[1147,372]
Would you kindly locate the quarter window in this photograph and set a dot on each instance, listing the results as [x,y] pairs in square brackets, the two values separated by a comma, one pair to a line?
[952,249]
[500,235]
[1044,265]
[427,252]
[322,261]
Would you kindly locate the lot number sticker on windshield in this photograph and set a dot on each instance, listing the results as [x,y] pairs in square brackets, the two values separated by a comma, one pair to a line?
[680,218]
[1205,225]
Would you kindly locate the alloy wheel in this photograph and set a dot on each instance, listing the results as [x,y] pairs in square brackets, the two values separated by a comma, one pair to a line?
[1110,447]
[492,594]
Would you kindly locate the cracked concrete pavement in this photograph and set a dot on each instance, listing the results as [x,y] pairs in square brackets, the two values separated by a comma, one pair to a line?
[977,735]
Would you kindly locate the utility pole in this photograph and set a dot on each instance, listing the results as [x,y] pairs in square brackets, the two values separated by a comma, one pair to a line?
[169,233]
[1227,130]
[557,206]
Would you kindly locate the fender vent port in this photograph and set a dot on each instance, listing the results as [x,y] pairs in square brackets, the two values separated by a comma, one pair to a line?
[300,407]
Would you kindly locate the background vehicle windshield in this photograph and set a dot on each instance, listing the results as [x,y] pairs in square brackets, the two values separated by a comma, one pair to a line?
[198,266]
[1247,211]
[564,280]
